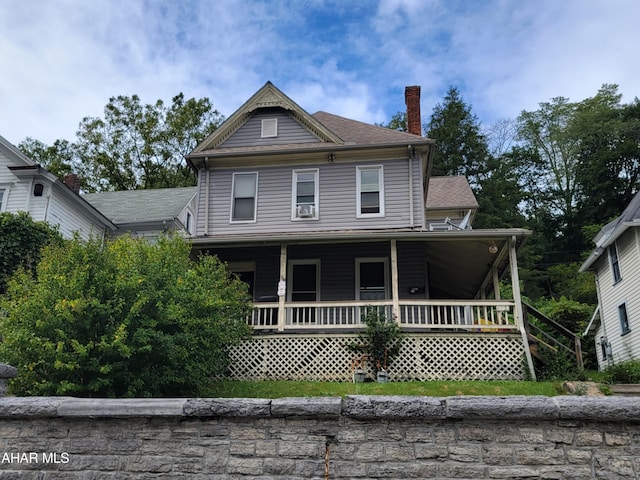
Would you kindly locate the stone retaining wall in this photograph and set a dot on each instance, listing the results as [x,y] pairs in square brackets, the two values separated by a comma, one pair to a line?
[358,437]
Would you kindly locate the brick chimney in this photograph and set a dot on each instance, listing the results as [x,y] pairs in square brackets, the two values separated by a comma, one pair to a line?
[73,182]
[412,100]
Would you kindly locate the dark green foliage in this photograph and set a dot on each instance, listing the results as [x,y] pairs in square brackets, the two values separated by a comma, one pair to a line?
[461,148]
[555,366]
[623,372]
[121,319]
[381,341]
[21,240]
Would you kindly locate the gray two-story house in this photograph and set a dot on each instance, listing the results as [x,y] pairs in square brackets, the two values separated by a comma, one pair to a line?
[325,217]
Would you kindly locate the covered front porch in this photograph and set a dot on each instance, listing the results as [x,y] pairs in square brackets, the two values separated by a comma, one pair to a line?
[444,285]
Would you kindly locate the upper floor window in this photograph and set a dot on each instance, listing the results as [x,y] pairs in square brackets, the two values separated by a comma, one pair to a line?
[269,127]
[370,191]
[624,319]
[244,197]
[1,199]
[305,194]
[615,263]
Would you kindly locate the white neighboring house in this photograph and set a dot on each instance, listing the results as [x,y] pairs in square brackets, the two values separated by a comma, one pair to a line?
[616,265]
[26,186]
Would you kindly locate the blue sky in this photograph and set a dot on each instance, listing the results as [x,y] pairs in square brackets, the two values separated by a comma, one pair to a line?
[62,60]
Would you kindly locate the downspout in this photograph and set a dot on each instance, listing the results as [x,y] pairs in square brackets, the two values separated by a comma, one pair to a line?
[207,200]
[411,153]
[515,282]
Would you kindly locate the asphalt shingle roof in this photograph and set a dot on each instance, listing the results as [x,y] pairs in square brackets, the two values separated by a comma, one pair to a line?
[141,205]
[448,192]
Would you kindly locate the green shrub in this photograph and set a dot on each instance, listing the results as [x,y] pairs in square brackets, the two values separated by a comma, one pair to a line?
[381,341]
[21,240]
[623,372]
[124,318]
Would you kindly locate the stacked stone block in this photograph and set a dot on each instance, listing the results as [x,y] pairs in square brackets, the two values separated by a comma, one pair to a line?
[358,437]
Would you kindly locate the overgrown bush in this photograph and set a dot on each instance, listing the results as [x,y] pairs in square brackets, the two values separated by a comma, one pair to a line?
[381,341]
[21,240]
[623,372]
[556,366]
[124,318]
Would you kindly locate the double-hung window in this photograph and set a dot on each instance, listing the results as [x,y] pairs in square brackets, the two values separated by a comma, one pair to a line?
[370,191]
[305,195]
[615,263]
[244,197]
[1,199]
[624,319]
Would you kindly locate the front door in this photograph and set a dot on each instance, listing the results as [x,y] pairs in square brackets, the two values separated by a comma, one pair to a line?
[304,286]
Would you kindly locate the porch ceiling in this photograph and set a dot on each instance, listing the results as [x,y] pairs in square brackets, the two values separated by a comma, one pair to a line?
[459,261]
[458,269]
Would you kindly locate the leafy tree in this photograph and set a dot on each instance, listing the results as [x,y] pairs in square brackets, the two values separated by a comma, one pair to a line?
[609,157]
[382,340]
[121,319]
[21,240]
[56,158]
[143,146]
[134,146]
[461,148]
[398,122]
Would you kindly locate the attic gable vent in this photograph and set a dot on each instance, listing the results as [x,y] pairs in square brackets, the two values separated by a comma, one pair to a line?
[269,127]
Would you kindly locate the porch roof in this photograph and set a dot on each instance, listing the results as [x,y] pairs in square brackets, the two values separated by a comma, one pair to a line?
[459,261]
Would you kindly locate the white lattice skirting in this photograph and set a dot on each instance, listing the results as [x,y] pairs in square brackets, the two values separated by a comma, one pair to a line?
[423,357]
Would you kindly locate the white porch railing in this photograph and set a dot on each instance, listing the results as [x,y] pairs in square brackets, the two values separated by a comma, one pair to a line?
[471,315]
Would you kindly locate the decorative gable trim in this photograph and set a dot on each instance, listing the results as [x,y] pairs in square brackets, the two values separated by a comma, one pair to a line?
[267,97]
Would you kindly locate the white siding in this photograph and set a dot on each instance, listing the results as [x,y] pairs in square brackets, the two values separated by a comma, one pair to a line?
[66,214]
[337,205]
[626,291]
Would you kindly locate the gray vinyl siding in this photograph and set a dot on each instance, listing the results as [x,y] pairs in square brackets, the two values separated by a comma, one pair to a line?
[337,202]
[337,266]
[289,131]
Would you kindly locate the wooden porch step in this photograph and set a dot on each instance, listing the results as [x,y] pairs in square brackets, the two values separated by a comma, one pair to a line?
[625,389]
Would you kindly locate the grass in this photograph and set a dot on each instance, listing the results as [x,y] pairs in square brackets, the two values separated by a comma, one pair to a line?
[280,389]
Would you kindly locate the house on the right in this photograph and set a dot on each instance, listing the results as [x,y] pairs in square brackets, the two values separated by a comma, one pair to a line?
[616,264]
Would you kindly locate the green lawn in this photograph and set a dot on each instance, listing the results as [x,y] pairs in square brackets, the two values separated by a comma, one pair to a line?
[279,389]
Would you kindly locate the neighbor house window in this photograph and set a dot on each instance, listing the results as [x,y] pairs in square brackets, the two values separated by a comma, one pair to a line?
[305,194]
[615,263]
[244,196]
[624,319]
[1,199]
[370,191]
[269,127]
[189,222]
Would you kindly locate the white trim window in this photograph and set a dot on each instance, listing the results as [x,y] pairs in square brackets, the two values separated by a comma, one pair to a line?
[615,263]
[370,191]
[372,278]
[244,197]
[623,317]
[305,194]
[2,199]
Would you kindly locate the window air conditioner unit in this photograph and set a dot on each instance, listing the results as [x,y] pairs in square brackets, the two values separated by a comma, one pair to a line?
[440,227]
[305,211]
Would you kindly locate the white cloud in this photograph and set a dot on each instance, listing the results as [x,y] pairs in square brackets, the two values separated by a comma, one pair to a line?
[63,59]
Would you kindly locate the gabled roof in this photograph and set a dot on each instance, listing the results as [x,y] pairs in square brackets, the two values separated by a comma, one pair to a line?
[332,131]
[608,234]
[354,132]
[143,206]
[13,151]
[446,193]
[267,97]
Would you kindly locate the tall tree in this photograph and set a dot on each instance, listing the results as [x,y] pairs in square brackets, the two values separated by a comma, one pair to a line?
[142,146]
[57,158]
[461,148]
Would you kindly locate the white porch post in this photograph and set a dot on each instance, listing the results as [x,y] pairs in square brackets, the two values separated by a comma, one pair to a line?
[496,283]
[282,286]
[394,281]
[515,283]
